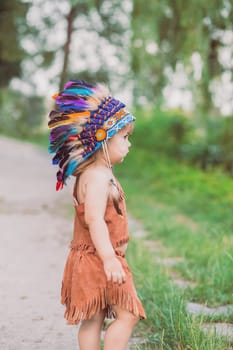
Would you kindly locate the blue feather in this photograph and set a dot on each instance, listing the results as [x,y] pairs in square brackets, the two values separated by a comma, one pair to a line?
[85,92]
[71,167]
[55,145]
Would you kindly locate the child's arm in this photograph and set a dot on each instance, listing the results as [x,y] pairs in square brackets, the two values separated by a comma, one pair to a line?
[96,196]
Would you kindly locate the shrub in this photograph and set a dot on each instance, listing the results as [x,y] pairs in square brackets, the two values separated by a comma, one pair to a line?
[20,115]
[176,135]
[161,132]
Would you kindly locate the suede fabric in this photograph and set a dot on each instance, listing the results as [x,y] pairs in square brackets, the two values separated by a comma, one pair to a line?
[85,289]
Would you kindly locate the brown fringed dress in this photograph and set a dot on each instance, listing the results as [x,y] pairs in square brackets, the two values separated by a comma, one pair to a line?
[85,289]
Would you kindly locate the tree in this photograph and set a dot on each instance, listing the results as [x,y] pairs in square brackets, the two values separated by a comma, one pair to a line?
[12,25]
[70,22]
[108,26]
[167,32]
[76,38]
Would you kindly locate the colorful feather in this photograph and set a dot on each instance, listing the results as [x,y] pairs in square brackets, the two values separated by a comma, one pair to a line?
[82,110]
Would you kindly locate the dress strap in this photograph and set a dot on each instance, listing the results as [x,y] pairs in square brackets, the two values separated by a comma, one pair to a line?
[118,187]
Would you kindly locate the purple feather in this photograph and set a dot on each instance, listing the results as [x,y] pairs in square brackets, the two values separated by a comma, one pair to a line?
[76,102]
[59,131]
[59,176]
[70,83]
[77,83]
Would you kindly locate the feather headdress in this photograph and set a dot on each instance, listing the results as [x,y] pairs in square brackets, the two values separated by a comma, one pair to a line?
[85,117]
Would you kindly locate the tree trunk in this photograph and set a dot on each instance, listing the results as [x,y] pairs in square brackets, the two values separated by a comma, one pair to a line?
[70,19]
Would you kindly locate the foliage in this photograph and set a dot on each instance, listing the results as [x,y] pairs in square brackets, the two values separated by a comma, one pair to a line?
[90,36]
[226,142]
[161,131]
[175,134]
[166,33]
[12,21]
[20,115]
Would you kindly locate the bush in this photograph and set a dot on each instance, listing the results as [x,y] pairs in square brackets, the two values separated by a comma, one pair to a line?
[162,132]
[226,143]
[20,115]
[176,135]
[202,154]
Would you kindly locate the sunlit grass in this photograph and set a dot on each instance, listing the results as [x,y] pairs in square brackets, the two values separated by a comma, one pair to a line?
[168,325]
[190,212]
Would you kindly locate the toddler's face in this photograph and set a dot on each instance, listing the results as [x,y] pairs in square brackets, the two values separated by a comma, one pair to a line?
[118,146]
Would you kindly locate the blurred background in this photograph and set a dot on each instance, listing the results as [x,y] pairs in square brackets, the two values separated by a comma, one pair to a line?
[171,61]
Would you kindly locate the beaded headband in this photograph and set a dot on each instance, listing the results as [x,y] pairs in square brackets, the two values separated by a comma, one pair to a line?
[85,118]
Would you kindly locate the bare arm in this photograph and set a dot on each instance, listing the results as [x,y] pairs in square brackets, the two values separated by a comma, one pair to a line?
[96,196]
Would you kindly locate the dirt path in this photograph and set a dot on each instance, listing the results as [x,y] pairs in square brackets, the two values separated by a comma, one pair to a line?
[35,232]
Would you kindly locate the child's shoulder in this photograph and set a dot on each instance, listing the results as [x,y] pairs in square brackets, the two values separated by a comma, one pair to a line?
[94,180]
[97,174]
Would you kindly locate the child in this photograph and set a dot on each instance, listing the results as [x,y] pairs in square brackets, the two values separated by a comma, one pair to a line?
[90,131]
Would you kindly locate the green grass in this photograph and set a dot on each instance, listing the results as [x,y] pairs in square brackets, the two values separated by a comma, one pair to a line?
[190,212]
[168,325]
[226,317]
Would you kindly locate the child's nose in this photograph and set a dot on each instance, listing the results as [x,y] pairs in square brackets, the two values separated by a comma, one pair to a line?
[129,143]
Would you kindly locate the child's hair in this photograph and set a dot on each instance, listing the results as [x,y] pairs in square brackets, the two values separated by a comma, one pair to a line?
[129,128]
[83,166]
[85,118]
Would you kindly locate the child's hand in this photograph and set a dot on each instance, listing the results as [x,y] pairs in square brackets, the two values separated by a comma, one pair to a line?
[114,271]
